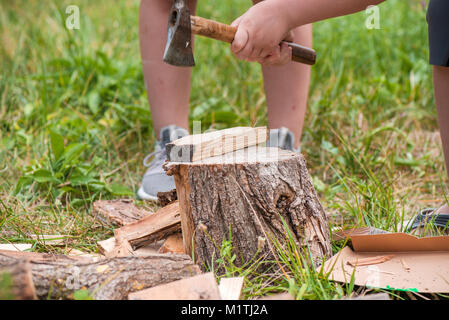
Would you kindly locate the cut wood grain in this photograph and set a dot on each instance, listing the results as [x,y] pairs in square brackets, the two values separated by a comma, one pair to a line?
[201,287]
[201,146]
[164,222]
[118,212]
[173,244]
[18,275]
[254,194]
[107,279]
[231,288]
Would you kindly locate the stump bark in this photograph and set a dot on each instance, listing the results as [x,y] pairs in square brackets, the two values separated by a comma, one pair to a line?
[249,193]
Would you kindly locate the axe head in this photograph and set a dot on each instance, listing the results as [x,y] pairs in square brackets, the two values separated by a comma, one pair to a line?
[178,51]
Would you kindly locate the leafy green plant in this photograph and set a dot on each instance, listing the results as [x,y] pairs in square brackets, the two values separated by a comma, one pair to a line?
[64,173]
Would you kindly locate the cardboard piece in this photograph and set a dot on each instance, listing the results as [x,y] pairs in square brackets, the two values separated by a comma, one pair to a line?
[399,261]
[200,287]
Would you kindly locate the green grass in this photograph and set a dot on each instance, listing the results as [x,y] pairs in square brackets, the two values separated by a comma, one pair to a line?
[75,121]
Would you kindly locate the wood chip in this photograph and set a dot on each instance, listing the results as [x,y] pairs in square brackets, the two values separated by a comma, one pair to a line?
[231,288]
[15,246]
[173,244]
[164,222]
[370,261]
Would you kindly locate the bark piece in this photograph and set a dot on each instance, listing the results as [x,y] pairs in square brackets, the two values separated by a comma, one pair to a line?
[118,212]
[18,276]
[255,194]
[107,279]
[164,222]
[165,198]
[173,244]
[231,288]
[201,146]
[201,287]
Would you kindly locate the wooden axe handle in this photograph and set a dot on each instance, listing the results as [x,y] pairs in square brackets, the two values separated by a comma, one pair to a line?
[226,33]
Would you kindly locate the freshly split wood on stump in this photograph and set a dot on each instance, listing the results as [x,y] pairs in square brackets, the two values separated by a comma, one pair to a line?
[201,146]
[256,193]
[107,279]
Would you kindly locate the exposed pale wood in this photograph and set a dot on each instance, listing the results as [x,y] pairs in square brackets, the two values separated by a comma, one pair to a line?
[160,225]
[165,198]
[250,192]
[22,283]
[118,212]
[173,244]
[201,287]
[107,248]
[105,279]
[375,296]
[78,253]
[201,146]
[231,288]
[15,246]
[279,296]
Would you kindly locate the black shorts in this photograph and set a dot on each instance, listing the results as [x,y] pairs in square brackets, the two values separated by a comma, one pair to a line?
[438,21]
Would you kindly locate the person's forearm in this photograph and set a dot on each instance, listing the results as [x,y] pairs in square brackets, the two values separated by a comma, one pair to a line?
[301,12]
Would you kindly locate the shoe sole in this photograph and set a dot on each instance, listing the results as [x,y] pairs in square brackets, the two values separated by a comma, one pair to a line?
[142,195]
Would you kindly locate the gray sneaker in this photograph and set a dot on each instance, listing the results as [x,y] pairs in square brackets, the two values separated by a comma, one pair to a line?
[282,138]
[155,179]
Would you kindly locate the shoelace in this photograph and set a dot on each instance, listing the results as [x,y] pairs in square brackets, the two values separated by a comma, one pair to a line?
[158,152]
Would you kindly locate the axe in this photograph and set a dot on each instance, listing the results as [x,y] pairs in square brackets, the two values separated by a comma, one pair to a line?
[181,24]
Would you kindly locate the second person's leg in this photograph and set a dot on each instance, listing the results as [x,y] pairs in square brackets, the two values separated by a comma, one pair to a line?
[287,90]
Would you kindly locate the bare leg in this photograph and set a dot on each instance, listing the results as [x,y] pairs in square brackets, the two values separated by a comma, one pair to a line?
[287,90]
[441,85]
[168,87]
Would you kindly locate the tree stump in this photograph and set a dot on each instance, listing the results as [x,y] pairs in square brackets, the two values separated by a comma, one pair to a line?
[249,193]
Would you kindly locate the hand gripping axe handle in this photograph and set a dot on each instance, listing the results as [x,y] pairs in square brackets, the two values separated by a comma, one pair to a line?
[181,25]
